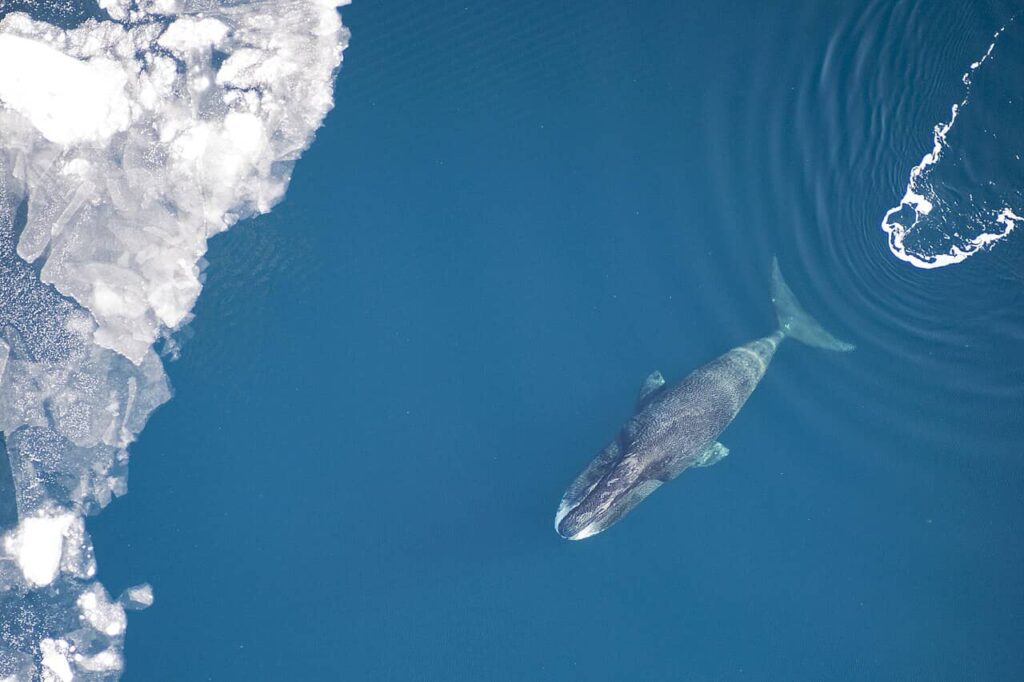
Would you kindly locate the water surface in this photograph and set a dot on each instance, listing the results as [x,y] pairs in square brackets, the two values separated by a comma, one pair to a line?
[515,213]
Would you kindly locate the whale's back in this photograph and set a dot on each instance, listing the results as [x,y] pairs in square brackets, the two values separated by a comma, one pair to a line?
[689,416]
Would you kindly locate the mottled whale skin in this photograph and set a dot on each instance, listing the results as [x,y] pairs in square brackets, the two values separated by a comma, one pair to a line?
[677,427]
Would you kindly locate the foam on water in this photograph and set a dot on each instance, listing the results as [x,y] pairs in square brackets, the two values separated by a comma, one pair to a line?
[946,215]
[125,145]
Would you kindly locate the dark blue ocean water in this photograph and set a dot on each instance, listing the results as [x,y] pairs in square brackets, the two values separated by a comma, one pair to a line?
[515,212]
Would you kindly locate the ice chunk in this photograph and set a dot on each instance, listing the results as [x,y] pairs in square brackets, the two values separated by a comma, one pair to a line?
[56,660]
[66,99]
[37,545]
[117,9]
[108,660]
[190,34]
[138,597]
[104,615]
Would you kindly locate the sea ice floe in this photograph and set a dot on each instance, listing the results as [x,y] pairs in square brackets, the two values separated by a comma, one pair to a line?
[125,145]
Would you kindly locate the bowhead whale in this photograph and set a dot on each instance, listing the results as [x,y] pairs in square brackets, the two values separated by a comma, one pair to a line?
[677,427]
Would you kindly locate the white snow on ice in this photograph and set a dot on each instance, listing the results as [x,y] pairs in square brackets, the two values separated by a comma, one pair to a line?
[37,545]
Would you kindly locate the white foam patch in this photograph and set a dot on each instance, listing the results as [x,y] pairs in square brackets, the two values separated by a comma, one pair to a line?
[125,145]
[928,237]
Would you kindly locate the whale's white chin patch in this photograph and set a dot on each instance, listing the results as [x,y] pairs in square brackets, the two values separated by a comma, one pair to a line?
[592,529]
[563,511]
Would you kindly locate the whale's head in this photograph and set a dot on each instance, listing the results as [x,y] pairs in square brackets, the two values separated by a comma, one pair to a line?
[578,523]
[611,498]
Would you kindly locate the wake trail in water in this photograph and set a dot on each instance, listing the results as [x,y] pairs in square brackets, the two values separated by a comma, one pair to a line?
[125,144]
[948,213]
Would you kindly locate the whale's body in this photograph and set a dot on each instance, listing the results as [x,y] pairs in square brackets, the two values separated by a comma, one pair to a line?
[676,427]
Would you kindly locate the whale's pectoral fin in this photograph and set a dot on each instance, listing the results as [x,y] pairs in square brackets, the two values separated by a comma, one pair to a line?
[713,454]
[652,386]
[677,465]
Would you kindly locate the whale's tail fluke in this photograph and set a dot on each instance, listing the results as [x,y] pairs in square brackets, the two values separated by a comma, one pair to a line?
[794,321]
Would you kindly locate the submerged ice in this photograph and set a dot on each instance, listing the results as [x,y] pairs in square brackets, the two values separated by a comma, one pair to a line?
[125,145]
[966,193]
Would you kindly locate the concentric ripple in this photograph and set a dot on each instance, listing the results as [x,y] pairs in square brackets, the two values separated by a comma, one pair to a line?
[848,119]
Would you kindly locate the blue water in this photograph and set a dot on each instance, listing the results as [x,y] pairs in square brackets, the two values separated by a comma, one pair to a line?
[515,212]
